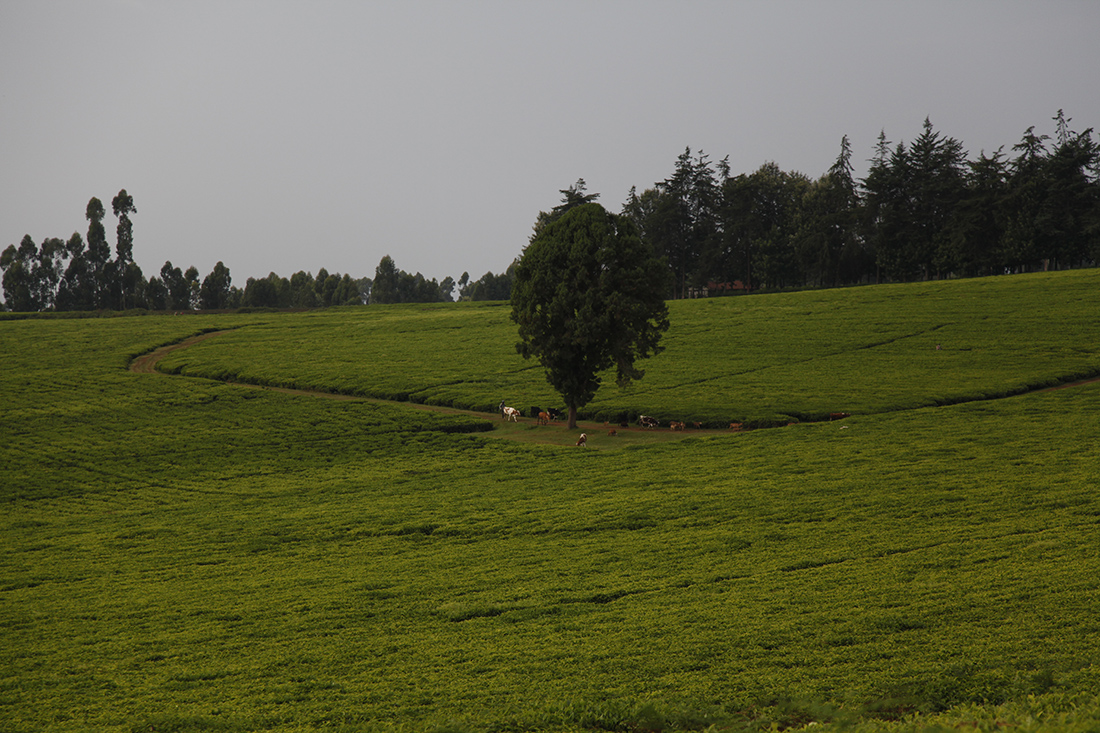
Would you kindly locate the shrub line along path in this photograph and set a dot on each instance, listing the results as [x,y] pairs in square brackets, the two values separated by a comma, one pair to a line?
[527,432]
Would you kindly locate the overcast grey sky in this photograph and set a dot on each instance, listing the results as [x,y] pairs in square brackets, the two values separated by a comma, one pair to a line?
[284,136]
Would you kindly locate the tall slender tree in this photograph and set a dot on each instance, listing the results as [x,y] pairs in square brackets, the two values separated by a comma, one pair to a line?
[99,252]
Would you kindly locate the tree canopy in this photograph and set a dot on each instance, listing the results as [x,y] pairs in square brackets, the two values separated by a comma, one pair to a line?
[925,209]
[589,295]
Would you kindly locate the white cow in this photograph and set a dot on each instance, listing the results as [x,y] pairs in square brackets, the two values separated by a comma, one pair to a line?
[511,413]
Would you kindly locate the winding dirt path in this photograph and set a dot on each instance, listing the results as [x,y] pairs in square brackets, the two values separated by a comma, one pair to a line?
[598,436]
[146,364]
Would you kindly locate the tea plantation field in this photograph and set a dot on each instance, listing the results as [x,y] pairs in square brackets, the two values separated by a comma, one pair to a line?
[186,554]
[769,359]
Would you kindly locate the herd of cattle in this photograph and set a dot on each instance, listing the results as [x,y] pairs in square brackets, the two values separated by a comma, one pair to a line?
[543,417]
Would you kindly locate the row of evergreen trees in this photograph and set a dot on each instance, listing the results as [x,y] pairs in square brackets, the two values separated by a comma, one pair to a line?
[923,211]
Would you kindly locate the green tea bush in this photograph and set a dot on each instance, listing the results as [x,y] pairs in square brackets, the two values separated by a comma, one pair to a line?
[764,360]
[181,553]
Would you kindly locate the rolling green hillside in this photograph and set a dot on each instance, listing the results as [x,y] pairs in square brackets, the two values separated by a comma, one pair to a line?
[768,358]
[185,554]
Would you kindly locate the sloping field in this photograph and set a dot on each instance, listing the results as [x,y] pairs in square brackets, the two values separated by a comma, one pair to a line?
[185,554]
[769,358]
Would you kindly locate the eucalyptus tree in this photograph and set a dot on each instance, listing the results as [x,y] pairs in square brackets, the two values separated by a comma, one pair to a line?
[99,252]
[156,294]
[386,279]
[489,286]
[179,291]
[48,271]
[20,293]
[194,288]
[124,275]
[215,288]
[261,293]
[123,205]
[76,291]
[302,292]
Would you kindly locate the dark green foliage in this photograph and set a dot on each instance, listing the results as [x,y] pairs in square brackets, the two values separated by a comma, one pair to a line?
[215,290]
[19,284]
[488,286]
[67,276]
[923,211]
[588,296]
[393,285]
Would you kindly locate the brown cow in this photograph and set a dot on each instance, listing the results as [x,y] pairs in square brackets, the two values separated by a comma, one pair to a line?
[583,440]
[544,418]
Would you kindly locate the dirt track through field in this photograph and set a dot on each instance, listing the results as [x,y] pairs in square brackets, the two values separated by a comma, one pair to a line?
[521,432]
[146,364]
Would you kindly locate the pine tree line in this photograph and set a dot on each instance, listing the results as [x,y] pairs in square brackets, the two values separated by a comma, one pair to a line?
[923,211]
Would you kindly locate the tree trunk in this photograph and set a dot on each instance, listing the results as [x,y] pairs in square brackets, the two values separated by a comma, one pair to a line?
[572,417]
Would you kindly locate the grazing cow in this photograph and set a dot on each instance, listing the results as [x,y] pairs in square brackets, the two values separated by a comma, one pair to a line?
[554,414]
[838,415]
[648,422]
[612,433]
[511,413]
[675,425]
[735,426]
[544,418]
[583,440]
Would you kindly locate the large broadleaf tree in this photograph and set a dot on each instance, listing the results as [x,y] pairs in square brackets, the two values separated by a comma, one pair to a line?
[589,295]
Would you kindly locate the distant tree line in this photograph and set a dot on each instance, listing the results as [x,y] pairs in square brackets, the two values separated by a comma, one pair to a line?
[72,275]
[75,275]
[924,211]
[79,275]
